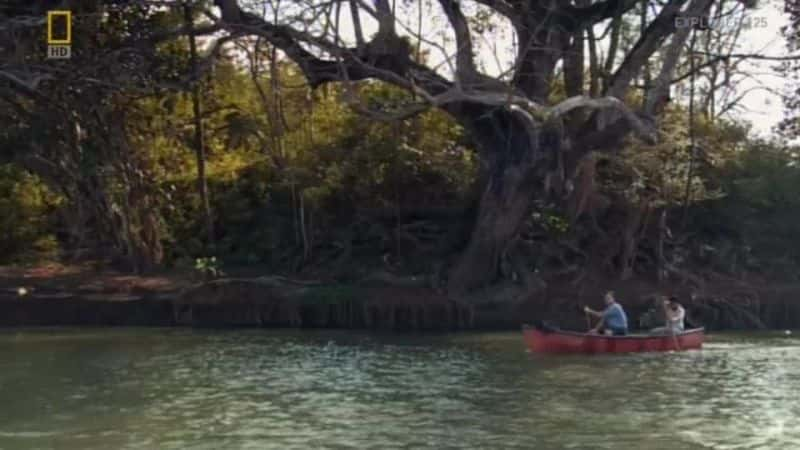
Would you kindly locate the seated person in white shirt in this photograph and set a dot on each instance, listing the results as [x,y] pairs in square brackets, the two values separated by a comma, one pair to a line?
[675,316]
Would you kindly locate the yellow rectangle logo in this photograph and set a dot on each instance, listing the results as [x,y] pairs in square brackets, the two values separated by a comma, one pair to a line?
[65,39]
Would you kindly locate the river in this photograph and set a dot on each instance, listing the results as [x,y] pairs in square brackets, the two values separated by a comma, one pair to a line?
[166,389]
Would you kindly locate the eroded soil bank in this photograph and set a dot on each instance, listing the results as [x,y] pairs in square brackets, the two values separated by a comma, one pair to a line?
[76,297]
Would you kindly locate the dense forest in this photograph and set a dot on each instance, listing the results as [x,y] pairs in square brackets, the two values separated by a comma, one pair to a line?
[350,140]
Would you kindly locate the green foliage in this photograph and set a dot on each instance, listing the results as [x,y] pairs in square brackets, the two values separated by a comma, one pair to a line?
[554,223]
[325,162]
[662,171]
[755,226]
[291,170]
[26,217]
[208,268]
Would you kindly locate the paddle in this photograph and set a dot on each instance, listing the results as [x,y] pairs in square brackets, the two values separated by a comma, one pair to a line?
[675,338]
[589,326]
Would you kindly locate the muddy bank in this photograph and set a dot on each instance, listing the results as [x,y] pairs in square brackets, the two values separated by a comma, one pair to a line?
[83,312]
[271,302]
[259,302]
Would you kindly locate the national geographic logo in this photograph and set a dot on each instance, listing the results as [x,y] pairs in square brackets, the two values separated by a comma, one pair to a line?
[59,34]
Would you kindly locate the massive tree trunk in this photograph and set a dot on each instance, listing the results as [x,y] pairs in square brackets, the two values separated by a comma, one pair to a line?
[504,205]
[516,159]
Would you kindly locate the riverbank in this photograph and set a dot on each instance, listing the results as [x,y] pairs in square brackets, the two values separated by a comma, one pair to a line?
[81,296]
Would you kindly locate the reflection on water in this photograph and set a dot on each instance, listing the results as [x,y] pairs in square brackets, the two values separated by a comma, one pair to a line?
[184,389]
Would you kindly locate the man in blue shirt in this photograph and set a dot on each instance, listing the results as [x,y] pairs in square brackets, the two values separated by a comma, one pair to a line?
[612,319]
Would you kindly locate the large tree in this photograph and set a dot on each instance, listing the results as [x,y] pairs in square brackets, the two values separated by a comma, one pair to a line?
[529,144]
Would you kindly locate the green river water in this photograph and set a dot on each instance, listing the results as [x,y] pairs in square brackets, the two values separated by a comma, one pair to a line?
[279,389]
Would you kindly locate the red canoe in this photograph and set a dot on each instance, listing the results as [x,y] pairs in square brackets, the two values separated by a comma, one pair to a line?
[556,341]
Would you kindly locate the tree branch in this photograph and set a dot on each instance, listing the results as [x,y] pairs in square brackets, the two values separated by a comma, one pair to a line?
[598,12]
[574,65]
[27,87]
[662,83]
[356,24]
[718,57]
[645,131]
[385,18]
[465,62]
[384,58]
[503,7]
[649,42]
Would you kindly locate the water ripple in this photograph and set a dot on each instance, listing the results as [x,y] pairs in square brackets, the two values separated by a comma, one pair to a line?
[182,389]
